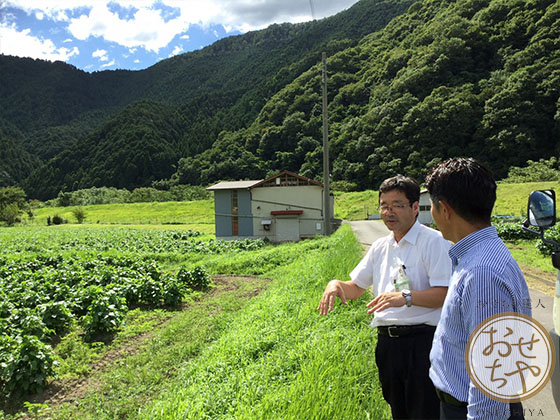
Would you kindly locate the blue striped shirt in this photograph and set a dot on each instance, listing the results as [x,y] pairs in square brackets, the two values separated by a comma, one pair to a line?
[486,281]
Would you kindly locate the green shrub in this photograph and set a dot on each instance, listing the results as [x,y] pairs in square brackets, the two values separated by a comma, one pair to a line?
[25,365]
[344,186]
[56,316]
[173,293]
[197,279]
[58,220]
[509,231]
[105,315]
[80,214]
[543,170]
[150,292]
[551,234]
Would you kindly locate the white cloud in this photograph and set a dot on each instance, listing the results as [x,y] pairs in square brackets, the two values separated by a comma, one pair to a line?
[61,16]
[148,27]
[185,37]
[23,44]
[67,40]
[136,61]
[112,63]
[39,15]
[101,54]
[176,51]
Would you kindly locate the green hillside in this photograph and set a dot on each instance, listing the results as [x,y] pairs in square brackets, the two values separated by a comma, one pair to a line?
[410,83]
[447,78]
[222,87]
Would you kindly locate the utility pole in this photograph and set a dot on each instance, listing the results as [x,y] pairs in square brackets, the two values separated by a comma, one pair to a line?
[326,188]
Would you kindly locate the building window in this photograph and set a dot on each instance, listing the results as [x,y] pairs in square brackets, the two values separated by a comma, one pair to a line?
[234,214]
[425,208]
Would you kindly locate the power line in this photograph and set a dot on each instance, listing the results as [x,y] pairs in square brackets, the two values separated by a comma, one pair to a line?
[312,9]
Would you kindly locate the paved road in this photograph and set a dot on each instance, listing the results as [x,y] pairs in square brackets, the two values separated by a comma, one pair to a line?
[542,405]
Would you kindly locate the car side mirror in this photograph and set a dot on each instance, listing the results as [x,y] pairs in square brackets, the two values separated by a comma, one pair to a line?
[541,209]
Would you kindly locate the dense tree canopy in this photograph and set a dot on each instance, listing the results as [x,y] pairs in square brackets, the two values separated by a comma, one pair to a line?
[409,84]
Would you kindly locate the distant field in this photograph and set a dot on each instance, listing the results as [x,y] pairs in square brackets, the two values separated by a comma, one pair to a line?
[511,200]
[196,215]
[199,215]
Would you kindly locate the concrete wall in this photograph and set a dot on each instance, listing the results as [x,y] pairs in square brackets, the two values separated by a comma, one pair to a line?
[308,198]
[424,214]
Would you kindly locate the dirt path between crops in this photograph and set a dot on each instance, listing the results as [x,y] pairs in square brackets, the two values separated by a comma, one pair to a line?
[64,391]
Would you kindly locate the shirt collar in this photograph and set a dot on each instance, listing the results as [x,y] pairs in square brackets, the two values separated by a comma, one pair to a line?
[458,250]
[411,236]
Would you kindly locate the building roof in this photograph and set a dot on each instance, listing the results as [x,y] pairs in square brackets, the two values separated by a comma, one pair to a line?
[282,179]
[233,185]
[285,179]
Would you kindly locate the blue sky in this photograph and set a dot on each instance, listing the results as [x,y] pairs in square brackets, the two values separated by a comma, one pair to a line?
[96,35]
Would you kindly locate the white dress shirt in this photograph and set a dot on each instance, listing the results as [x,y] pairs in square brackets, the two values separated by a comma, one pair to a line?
[423,255]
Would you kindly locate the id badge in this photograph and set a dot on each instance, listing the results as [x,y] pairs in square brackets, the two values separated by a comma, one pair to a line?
[401,281]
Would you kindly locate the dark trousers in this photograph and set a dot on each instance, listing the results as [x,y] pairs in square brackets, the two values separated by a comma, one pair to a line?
[403,364]
[452,412]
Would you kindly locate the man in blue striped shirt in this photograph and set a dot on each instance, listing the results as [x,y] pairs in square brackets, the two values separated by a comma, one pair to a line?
[486,281]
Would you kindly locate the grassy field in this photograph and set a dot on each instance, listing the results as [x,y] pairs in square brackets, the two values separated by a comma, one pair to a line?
[197,215]
[511,200]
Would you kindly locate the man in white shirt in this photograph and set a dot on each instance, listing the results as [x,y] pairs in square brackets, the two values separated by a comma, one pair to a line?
[409,270]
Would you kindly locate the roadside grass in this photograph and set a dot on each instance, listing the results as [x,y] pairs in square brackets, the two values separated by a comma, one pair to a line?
[281,359]
[271,357]
[526,254]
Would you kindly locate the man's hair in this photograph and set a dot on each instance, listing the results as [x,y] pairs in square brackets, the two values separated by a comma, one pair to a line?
[404,184]
[467,186]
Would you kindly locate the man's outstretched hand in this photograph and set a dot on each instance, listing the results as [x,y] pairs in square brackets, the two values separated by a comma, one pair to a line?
[333,289]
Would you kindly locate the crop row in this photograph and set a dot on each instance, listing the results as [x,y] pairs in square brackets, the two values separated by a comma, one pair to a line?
[43,297]
[138,241]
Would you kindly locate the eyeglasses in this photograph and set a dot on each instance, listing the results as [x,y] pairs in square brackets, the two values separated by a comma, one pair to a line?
[396,207]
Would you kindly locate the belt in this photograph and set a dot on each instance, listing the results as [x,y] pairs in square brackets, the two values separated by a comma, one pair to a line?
[403,330]
[449,399]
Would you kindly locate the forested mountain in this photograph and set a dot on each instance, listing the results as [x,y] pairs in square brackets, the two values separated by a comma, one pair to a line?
[409,83]
[472,77]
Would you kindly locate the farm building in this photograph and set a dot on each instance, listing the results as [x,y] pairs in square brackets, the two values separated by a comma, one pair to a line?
[284,207]
[424,210]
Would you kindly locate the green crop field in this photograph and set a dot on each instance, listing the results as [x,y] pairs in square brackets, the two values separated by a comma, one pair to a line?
[72,296]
